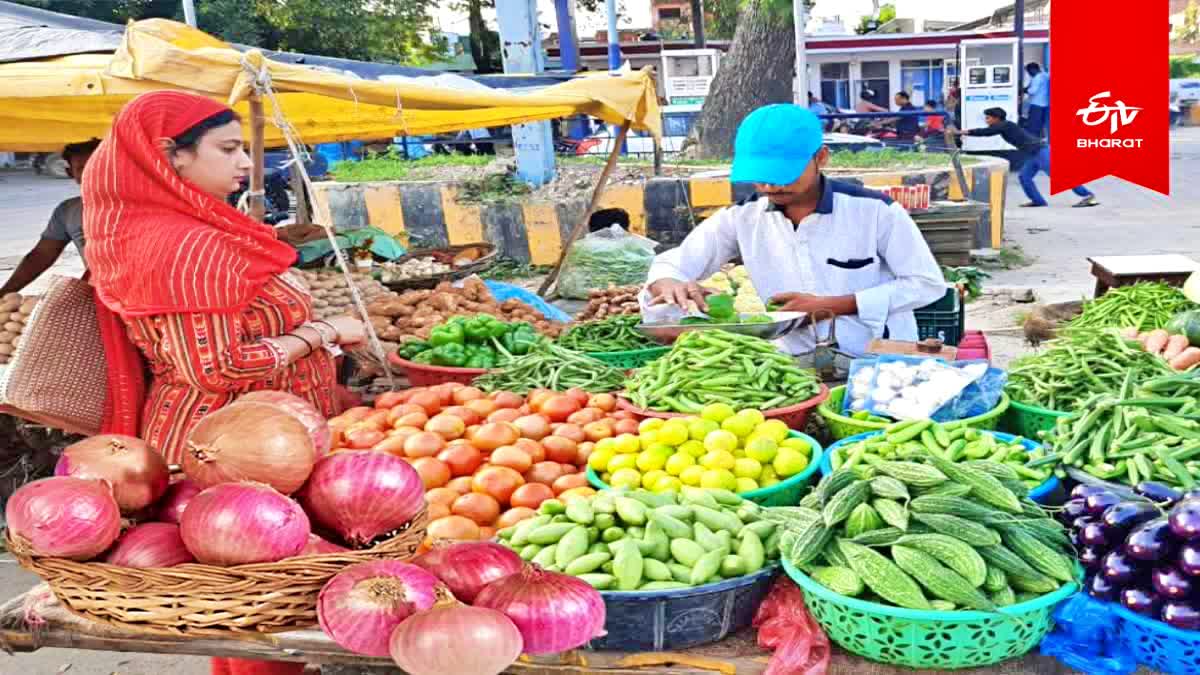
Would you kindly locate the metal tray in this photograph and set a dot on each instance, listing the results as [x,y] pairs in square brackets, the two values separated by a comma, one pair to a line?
[782,324]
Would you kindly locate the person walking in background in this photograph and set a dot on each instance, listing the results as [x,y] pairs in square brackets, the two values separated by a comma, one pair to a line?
[820,108]
[1038,91]
[934,124]
[1034,151]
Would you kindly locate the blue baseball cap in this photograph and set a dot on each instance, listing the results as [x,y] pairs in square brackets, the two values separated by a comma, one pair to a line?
[775,143]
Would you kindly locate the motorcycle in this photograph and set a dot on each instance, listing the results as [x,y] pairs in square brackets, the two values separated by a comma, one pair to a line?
[277,185]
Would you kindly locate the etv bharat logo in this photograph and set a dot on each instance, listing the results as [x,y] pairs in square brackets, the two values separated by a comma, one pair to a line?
[1117,115]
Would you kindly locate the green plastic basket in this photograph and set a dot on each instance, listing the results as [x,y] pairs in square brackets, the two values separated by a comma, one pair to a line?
[635,358]
[928,639]
[843,426]
[1027,420]
[785,493]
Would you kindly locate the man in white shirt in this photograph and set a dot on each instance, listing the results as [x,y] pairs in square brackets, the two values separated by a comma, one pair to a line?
[810,243]
[1038,91]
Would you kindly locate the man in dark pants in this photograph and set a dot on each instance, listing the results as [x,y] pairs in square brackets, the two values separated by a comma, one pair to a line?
[1034,151]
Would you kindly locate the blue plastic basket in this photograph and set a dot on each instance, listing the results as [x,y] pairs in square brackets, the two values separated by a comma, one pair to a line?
[655,621]
[1157,645]
[784,493]
[1037,494]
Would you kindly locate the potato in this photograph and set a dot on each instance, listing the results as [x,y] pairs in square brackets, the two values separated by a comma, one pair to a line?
[7,349]
[13,327]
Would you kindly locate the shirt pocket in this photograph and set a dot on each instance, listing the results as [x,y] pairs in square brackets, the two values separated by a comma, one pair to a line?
[852,273]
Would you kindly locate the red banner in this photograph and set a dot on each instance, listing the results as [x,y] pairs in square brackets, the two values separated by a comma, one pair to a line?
[1109,92]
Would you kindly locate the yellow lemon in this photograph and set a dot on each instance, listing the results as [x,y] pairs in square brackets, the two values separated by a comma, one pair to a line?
[718,459]
[626,478]
[674,433]
[768,482]
[700,428]
[719,479]
[606,445]
[745,485]
[747,468]
[721,440]
[776,430]
[599,459]
[797,444]
[651,460]
[693,448]
[789,462]
[768,473]
[691,475]
[650,424]
[667,483]
[647,439]
[678,462]
[619,462]
[626,444]
[761,449]
[717,412]
[739,426]
[651,477]
[754,416]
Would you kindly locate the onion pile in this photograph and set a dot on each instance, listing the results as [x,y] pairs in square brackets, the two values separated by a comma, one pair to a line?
[554,612]
[466,567]
[176,500]
[454,638]
[362,495]
[242,523]
[361,606]
[150,545]
[138,475]
[64,517]
[249,441]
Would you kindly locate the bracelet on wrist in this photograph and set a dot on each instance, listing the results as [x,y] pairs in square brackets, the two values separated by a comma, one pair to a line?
[327,331]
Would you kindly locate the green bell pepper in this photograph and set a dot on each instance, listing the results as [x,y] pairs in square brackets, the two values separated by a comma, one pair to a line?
[411,348]
[483,328]
[451,355]
[449,333]
[425,357]
[720,308]
[522,340]
[482,359]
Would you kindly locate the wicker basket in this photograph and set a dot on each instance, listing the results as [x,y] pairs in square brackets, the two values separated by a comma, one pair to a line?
[484,262]
[58,376]
[206,600]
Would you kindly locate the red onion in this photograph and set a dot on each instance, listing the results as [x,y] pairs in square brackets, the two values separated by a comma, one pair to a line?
[554,612]
[304,412]
[318,546]
[176,500]
[249,442]
[361,606]
[455,638]
[150,545]
[466,567]
[138,475]
[362,495]
[64,517]
[242,523]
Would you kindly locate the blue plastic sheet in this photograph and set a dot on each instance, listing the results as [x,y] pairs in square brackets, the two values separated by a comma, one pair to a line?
[502,291]
[1085,638]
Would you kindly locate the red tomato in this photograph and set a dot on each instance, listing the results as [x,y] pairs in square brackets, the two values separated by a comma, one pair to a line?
[453,528]
[424,444]
[597,431]
[586,416]
[544,472]
[625,427]
[507,399]
[571,431]
[434,473]
[498,481]
[531,495]
[535,427]
[605,402]
[494,435]
[462,458]
[482,406]
[515,515]
[461,485]
[512,457]
[532,448]
[363,439]
[570,481]
[448,427]
[581,397]
[505,415]
[558,408]
[559,449]
[388,400]
[468,416]
[480,508]
[465,394]
[430,401]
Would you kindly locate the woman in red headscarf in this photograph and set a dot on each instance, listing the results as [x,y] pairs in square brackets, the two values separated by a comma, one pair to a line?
[190,286]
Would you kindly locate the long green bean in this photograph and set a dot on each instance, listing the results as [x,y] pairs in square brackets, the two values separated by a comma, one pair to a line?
[614,334]
[713,366]
[1144,306]
[552,367]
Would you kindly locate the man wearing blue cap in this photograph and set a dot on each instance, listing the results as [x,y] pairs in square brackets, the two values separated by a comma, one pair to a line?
[810,243]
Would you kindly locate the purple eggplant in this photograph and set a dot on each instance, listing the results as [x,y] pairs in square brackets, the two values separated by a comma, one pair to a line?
[1094,534]
[1084,490]
[1100,588]
[1123,517]
[1099,502]
[1172,584]
[1081,522]
[1181,614]
[1185,519]
[1118,568]
[1072,509]
[1189,559]
[1151,540]
[1141,601]
[1158,492]
[1090,556]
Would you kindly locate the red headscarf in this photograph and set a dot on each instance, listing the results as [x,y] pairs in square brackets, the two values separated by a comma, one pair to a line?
[158,244]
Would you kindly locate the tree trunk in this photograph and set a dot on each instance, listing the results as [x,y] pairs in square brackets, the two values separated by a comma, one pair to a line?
[478,30]
[756,71]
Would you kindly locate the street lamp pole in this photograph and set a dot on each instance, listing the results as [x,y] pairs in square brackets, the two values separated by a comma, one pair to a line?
[800,18]
[189,12]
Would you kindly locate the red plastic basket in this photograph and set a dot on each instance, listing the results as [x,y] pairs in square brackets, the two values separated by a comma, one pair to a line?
[795,416]
[421,375]
[974,345]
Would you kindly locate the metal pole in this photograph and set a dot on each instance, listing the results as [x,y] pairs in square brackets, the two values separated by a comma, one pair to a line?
[614,38]
[1019,29]
[800,18]
[189,12]
[698,23]
[568,44]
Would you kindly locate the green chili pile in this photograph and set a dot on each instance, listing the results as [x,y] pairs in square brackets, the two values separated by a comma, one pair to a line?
[614,334]
[1077,366]
[1144,306]
[548,366]
[713,366]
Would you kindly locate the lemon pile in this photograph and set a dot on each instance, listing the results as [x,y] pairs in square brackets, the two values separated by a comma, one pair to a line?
[738,451]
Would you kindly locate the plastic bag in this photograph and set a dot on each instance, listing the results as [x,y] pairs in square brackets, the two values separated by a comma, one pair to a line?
[785,626]
[1085,638]
[858,386]
[978,398]
[914,388]
[502,291]
[610,256]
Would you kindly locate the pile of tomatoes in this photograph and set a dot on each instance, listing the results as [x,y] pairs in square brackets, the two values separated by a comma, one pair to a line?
[488,461]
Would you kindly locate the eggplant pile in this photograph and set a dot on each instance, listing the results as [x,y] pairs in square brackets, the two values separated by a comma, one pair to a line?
[1142,552]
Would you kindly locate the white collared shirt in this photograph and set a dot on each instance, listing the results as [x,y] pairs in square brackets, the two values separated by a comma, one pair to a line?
[856,242]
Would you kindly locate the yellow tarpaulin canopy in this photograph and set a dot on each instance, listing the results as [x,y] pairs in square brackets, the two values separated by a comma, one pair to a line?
[46,104]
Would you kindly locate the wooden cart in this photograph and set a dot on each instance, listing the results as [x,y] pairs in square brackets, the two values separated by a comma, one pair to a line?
[736,655]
